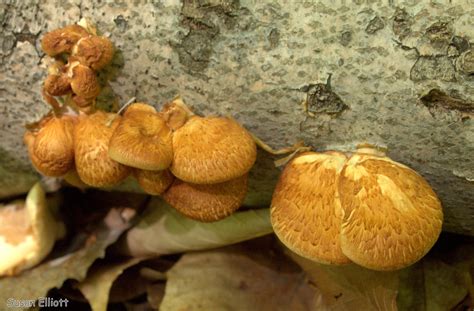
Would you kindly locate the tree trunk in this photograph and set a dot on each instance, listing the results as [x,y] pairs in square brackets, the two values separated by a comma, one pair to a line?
[393,73]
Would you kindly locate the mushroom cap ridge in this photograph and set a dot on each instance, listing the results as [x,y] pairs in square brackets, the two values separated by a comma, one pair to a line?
[305,213]
[391,216]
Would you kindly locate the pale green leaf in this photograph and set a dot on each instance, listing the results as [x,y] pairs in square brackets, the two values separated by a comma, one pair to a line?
[162,230]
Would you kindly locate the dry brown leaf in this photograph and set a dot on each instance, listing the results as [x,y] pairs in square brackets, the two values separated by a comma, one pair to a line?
[238,278]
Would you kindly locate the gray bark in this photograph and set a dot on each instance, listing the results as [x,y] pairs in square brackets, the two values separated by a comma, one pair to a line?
[401,75]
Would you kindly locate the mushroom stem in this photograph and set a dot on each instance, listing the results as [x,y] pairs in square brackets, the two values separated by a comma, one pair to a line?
[288,158]
[176,113]
[131,101]
[299,146]
[111,120]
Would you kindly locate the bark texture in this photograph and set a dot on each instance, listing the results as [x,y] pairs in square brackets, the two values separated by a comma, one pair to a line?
[394,73]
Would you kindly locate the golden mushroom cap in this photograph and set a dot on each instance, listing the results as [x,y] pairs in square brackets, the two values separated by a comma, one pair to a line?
[142,140]
[62,40]
[153,182]
[91,146]
[207,203]
[305,213]
[212,150]
[84,82]
[94,51]
[391,216]
[143,107]
[51,148]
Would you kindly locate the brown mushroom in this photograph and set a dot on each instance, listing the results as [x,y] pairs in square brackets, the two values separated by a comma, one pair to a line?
[94,51]
[57,85]
[84,82]
[51,147]
[142,139]
[91,146]
[51,100]
[207,203]
[82,102]
[212,150]
[154,182]
[62,40]
[305,213]
[391,216]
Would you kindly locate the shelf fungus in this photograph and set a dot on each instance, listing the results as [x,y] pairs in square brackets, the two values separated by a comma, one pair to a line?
[28,231]
[142,139]
[207,203]
[91,145]
[51,145]
[63,39]
[93,51]
[153,182]
[209,150]
[367,209]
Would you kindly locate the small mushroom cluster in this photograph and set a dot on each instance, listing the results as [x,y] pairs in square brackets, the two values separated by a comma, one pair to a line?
[366,209]
[71,85]
[79,53]
[209,156]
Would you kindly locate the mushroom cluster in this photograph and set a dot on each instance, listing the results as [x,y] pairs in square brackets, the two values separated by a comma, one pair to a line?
[71,85]
[79,52]
[366,209]
[199,164]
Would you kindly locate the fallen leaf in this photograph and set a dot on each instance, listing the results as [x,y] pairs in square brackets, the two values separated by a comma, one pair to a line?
[441,280]
[162,230]
[351,287]
[35,283]
[96,287]
[155,294]
[236,278]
